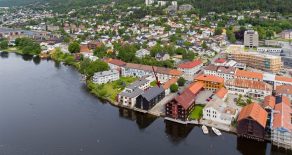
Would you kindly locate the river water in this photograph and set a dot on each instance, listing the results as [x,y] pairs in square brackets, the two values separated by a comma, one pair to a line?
[46,110]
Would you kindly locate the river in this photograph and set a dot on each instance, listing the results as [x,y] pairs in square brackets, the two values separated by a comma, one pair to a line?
[46,110]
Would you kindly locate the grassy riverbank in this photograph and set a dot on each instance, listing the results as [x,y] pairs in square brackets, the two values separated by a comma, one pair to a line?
[109,91]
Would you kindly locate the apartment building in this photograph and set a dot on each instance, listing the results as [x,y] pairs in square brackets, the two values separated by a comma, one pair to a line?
[251,38]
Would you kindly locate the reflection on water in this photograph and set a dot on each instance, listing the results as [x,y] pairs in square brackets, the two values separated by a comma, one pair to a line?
[36,60]
[243,144]
[4,54]
[27,57]
[142,120]
[177,132]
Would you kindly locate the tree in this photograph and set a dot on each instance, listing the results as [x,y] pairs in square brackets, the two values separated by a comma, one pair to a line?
[204,45]
[174,88]
[88,67]
[248,100]
[4,44]
[74,47]
[218,31]
[181,81]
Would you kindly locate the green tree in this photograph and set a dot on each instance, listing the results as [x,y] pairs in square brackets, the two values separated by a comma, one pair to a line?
[174,88]
[218,31]
[74,47]
[181,81]
[88,67]
[4,44]
[204,45]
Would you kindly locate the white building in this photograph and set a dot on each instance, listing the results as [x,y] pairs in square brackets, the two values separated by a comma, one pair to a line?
[190,68]
[269,50]
[216,110]
[106,76]
[254,89]
[281,135]
[138,70]
[149,2]
[226,73]
[251,38]
[142,53]
[128,96]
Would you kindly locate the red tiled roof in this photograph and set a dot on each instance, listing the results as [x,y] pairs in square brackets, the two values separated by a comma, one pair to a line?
[187,98]
[190,64]
[115,62]
[254,111]
[269,101]
[168,83]
[220,60]
[210,78]
[282,116]
[84,49]
[242,83]
[248,74]
[221,93]
[283,78]
[284,89]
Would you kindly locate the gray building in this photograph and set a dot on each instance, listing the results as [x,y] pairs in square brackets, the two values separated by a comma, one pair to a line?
[251,38]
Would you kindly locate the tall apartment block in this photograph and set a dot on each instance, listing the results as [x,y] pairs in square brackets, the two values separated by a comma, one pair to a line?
[251,38]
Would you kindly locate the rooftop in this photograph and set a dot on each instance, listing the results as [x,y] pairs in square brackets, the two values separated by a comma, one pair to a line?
[242,83]
[210,78]
[254,111]
[190,64]
[152,92]
[248,74]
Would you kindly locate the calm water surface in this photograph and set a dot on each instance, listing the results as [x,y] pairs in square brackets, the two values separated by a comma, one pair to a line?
[46,110]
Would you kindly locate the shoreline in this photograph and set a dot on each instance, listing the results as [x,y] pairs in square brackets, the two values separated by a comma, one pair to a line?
[116,104]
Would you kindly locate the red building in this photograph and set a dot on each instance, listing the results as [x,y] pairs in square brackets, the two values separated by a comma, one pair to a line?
[181,106]
[251,122]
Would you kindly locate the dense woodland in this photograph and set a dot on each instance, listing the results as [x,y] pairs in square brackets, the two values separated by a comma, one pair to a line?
[203,6]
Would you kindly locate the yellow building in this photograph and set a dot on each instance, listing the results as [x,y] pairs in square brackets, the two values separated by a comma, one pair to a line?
[211,82]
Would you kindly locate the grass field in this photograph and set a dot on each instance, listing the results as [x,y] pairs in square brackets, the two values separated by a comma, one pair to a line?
[197,113]
[112,89]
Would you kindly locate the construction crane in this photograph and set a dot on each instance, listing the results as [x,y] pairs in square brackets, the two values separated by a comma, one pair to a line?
[156,77]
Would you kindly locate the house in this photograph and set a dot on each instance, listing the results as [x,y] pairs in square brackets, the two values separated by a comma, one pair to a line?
[181,106]
[284,90]
[150,98]
[282,80]
[216,110]
[142,53]
[269,102]
[138,70]
[251,122]
[281,134]
[224,72]
[167,84]
[255,89]
[129,95]
[220,62]
[286,34]
[93,44]
[105,76]
[211,82]
[85,51]
[190,68]
[248,75]
[115,64]
[162,56]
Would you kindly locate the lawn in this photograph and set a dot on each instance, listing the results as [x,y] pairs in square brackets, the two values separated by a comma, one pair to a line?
[197,113]
[112,89]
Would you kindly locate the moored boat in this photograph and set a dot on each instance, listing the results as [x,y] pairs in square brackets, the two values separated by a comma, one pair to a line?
[205,129]
[216,131]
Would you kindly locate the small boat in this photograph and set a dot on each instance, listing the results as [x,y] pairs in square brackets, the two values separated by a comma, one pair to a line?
[216,131]
[205,129]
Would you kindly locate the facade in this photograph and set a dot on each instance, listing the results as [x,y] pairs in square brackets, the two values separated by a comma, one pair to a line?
[251,122]
[115,64]
[281,134]
[251,38]
[138,70]
[216,110]
[221,71]
[211,82]
[181,106]
[255,89]
[190,68]
[150,98]
[142,53]
[105,76]
[248,75]
[129,95]
[286,34]
[269,63]
[269,50]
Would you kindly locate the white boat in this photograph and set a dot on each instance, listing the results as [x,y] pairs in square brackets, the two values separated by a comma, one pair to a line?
[216,131]
[205,129]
